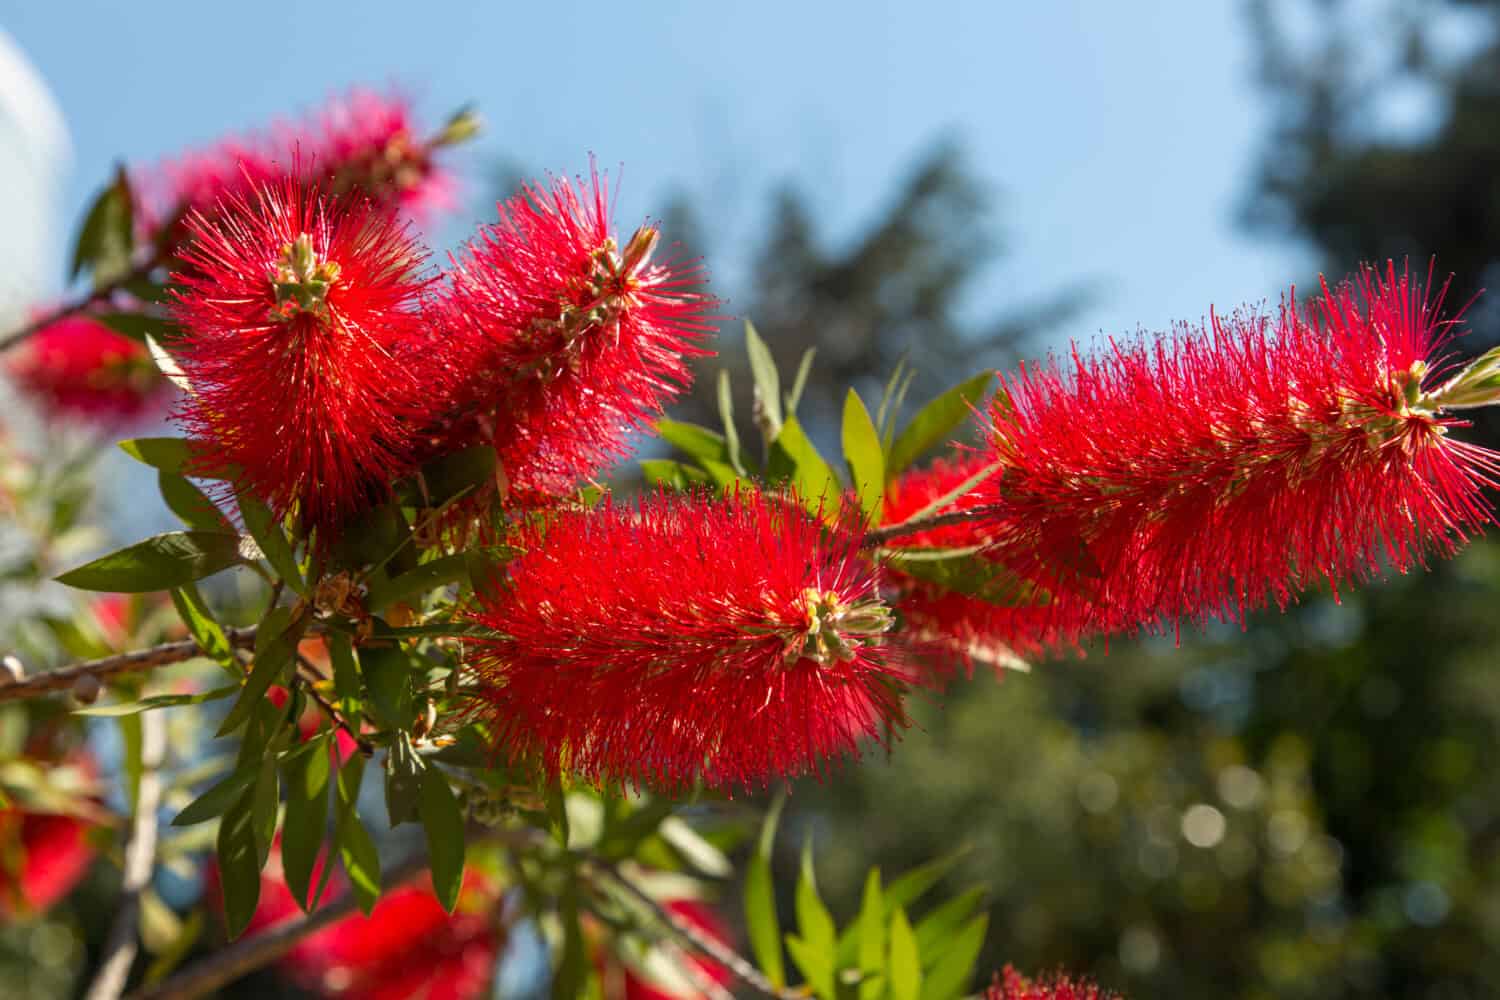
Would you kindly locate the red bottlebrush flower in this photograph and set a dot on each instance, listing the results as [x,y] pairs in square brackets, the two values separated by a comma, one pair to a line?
[571,341]
[702,970]
[1220,470]
[78,367]
[1011,985]
[364,141]
[42,857]
[916,492]
[730,640]
[407,947]
[301,346]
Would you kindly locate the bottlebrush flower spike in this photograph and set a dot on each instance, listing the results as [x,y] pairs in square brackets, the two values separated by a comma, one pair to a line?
[301,347]
[734,640]
[1219,470]
[1011,985]
[572,340]
[78,367]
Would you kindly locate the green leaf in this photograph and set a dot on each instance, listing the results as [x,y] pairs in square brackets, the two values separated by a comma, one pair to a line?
[305,776]
[814,923]
[965,573]
[387,673]
[804,368]
[263,527]
[403,781]
[139,326]
[913,885]
[216,800]
[726,478]
[935,932]
[571,977]
[760,901]
[871,931]
[189,503]
[275,647]
[443,822]
[726,414]
[356,848]
[863,454]
[951,973]
[155,701]
[267,796]
[905,959]
[167,364]
[816,965]
[346,682]
[694,440]
[158,563]
[767,382]
[936,421]
[794,458]
[164,453]
[416,582]
[239,863]
[459,472]
[673,475]
[107,237]
[205,631]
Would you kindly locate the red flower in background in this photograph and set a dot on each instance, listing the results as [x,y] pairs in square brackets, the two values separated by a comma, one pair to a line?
[1011,985]
[364,140]
[730,640]
[78,367]
[1219,470]
[303,346]
[42,857]
[689,911]
[571,341]
[407,947]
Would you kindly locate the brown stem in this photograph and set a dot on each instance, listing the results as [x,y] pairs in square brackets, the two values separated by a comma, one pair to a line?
[879,536]
[62,312]
[143,659]
[366,748]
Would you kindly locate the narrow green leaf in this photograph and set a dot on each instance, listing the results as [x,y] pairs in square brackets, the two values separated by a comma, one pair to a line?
[275,648]
[871,930]
[951,974]
[158,563]
[164,453]
[863,454]
[570,980]
[557,812]
[107,238]
[267,797]
[913,885]
[814,923]
[816,965]
[216,800]
[694,440]
[206,632]
[305,776]
[132,737]
[346,677]
[905,959]
[239,863]
[794,458]
[356,848]
[804,368]
[767,382]
[883,412]
[726,414]
[936,421]
[416,582]
[760,901]
[387,673]
[459,472]
[129,708]
[674,475]
[263,527]
[936,931]
[726,478]
[189,503]
[403,781]
[443,822]
[138,326]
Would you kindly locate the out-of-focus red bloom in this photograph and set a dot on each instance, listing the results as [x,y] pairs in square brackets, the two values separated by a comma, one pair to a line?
[42,857]
[78,367]
[364,141]
[1011,985]
[407,947]
[730,640]
[301,346]
[1219,470]
[696,914]
[571,341]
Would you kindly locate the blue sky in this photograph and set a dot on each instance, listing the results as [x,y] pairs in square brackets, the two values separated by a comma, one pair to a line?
[1116,138]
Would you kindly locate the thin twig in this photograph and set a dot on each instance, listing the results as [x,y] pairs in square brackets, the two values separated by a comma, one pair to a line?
[250,953]
[62,312]
[700,940]
[365,746]
[122,945]
[142,659]
[879,536]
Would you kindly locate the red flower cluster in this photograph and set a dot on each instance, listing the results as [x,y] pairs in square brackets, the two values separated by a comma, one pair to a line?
[407,947]
[304,349]
[1219,470]
[569,340]
[729,640]
[42,857]
[78,367]
[1011,985]
[365,141]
